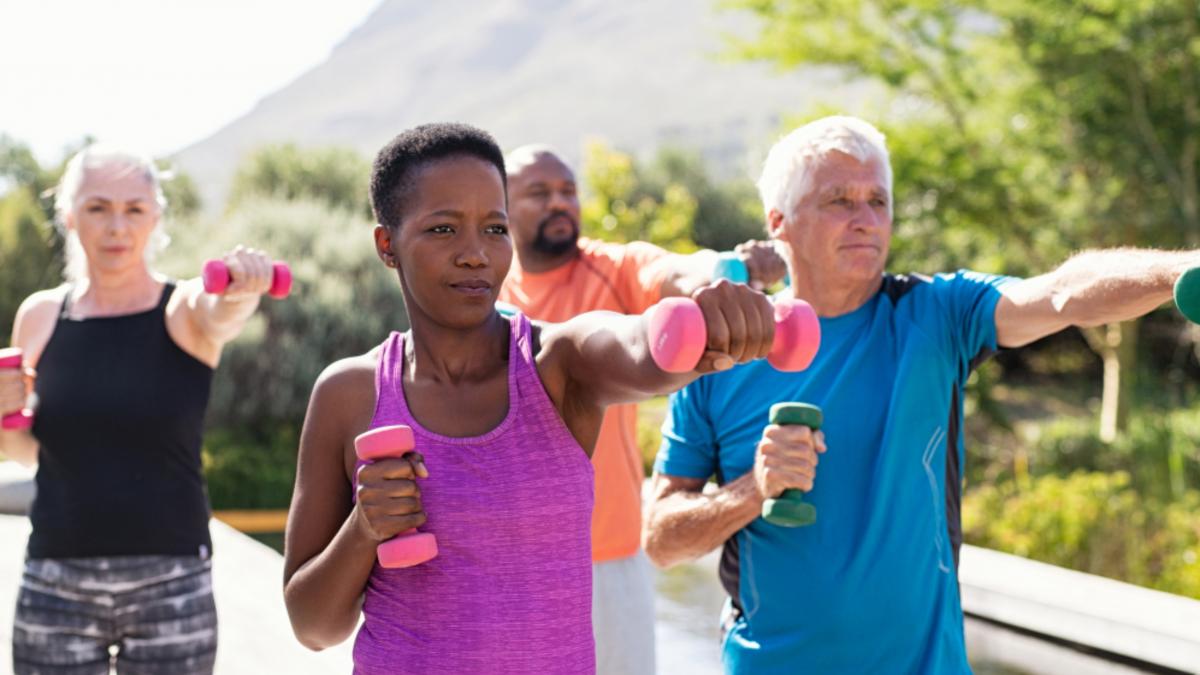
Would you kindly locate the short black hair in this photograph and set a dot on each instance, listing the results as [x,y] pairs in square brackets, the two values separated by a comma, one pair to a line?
[397,164]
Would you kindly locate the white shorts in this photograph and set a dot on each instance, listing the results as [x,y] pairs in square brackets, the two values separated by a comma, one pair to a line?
[623,616]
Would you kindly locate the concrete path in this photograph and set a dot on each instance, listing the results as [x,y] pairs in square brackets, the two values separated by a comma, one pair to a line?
[255,636]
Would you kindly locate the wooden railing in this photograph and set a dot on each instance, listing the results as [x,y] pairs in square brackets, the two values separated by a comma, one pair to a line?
[254,521]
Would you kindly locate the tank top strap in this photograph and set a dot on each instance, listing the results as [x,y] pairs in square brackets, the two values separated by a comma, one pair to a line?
[168,289]
[523,376]
[65,309]
[522,339]
[389,371]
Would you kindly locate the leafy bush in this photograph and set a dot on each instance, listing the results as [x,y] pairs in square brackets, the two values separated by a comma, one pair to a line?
[247,472]
[1092,522]
[1160,452]
[334,176]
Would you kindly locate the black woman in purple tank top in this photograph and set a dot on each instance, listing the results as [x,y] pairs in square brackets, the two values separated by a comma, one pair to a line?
[499,414]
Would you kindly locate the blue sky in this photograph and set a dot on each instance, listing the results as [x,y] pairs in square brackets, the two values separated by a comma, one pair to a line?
[155,75]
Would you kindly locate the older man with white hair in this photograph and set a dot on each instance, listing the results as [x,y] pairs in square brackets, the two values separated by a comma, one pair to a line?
[871,586]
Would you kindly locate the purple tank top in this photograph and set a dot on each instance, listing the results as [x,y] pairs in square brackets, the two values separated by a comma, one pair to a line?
[511,588]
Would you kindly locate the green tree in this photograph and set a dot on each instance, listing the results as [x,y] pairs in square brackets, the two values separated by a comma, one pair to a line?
[1024,129]
[620,205]
[29,258]
[671,201]
[335,176]
[727,212]
[183,198]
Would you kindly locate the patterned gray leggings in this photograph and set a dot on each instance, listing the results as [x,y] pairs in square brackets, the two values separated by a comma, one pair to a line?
[145,615]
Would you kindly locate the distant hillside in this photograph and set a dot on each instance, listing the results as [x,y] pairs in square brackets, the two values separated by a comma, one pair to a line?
[640,74]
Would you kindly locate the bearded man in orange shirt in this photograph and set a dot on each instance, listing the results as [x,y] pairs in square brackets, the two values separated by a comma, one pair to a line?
[555,275]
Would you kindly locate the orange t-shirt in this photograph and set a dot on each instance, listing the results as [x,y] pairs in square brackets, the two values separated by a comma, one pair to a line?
[621,278]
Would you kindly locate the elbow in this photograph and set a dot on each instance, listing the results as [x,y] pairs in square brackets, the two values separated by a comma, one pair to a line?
[318,638]
[317,628]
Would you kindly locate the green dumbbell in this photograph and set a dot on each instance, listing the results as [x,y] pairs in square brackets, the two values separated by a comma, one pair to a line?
[789,509]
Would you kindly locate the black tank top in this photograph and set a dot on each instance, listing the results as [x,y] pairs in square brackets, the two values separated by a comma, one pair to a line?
[119,421]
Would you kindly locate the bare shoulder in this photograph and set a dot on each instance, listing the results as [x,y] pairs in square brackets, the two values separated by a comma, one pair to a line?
[341,407]
[348,380]
[42,305]
[35,320]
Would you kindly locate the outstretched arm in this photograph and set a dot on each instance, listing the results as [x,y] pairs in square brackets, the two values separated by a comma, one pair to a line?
[602,358]
[205,322]
[1089,289]
[685,274]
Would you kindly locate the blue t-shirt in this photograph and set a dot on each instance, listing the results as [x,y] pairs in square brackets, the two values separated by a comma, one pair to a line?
[872,586]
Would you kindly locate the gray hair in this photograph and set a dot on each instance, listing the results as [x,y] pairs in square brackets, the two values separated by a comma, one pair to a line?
[787,172]
[94,157]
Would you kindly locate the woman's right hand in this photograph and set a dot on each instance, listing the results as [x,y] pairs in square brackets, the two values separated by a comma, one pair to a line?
[388,498]
[15,385]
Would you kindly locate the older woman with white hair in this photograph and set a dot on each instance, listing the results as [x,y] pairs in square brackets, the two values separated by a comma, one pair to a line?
[121,361]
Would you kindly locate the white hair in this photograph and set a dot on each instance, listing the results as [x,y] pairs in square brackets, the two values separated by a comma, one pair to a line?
[93,157]
[787,172]
[516,160]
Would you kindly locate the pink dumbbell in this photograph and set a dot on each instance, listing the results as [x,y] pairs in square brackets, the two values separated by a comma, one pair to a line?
[410,547]
[216,278]
[22,419]
[678,335]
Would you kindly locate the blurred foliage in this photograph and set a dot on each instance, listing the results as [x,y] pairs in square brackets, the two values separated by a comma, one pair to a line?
[1161,452]
[30,249]
[727,213]
[671,201]
[621,206]
[344,301]
[1094,522]
[183,198]
[251,470]
[29,253]
[338,177]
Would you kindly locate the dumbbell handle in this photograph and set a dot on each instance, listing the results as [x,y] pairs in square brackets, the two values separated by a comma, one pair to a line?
[410,547]
[678,334]
[216,278]
[789,509]
[12,357]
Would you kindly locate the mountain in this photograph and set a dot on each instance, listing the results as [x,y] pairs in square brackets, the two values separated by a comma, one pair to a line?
[639,74]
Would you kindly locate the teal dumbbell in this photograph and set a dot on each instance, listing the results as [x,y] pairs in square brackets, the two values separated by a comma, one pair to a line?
[789,509]
[731,266]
